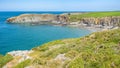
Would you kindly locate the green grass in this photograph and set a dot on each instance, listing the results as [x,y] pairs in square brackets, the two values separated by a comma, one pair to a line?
[23,64]
[1,56]
[5,59]
[93,14]
[98,50]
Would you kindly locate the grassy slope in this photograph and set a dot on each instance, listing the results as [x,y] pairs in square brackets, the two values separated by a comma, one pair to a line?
[1,56]
[93,14]
[23,64]
[98,50]
[5,59]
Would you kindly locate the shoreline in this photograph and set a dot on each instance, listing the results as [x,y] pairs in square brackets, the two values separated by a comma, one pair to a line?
[92,29]
[22,55]
[92,24]
[86,20]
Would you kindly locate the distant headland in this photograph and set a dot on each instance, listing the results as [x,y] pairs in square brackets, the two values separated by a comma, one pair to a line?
[98,20]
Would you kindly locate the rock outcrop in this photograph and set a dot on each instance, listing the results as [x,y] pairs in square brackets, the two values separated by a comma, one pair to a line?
[65,19]
[39,19]
[103,21]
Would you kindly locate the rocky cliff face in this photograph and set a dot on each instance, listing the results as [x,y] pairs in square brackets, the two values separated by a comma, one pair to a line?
[39,19]
[104,21]
[64,19]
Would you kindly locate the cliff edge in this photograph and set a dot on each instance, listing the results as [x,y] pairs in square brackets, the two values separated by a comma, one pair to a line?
[90,19]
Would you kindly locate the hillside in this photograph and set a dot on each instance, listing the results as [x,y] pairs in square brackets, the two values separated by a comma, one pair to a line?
[94,14]
[97,50]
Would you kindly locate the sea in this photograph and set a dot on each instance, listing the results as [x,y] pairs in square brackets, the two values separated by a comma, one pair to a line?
[25,37]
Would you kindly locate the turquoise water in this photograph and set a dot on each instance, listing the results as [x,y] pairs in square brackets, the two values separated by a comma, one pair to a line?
[25,37]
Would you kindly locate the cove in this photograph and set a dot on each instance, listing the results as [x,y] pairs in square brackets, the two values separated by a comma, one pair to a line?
[25,37]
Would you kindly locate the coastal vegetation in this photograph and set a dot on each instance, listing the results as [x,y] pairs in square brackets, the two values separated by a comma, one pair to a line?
[1,56]
[23,64]
[97,50]
[5,59]
[74,17]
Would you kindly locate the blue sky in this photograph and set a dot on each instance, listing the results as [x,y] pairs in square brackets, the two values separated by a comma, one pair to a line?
[59,5]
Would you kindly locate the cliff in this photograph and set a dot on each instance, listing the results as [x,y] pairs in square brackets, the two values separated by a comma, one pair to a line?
[97,50]
[88,19]
[38,19]
[103,21]
[97,18]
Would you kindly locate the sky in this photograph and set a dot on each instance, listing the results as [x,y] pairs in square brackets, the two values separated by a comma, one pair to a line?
[59,5]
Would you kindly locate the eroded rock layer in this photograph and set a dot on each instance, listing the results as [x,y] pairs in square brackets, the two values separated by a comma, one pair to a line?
[108,21]
[38,19]
[65,19]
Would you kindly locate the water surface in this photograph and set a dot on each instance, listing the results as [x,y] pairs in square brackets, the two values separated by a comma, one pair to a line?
[25,37]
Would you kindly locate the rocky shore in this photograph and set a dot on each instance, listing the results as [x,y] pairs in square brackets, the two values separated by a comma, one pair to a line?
[19,56]
[97,23]
[24,54]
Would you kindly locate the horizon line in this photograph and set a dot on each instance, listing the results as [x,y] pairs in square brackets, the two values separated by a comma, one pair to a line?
[57,11]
